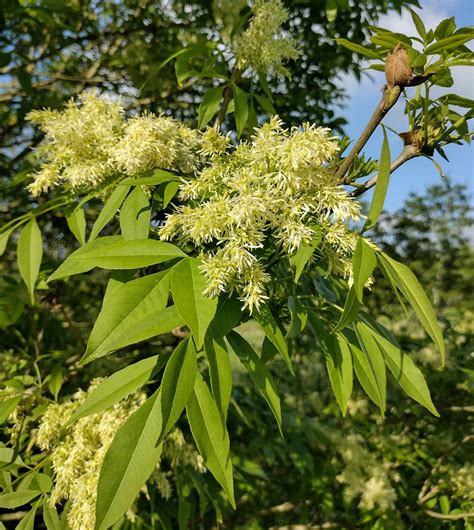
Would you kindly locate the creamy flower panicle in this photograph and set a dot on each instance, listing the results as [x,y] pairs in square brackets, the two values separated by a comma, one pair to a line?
[277,184]
[276,188]
[263,46]
[91,141]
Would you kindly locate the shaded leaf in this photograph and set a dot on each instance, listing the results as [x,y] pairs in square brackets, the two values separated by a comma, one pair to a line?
[272,330]
[241,109]
[209,105]
[339,366]
[219,369]
[258,373]
[363,265]
[211,436]
[304,253]
[350,311]
[30,254]
[76,221]
[177,384]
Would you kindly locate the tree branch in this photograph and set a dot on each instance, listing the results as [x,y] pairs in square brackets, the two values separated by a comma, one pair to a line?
[409,152]
[389,98]
[226,99]
[450,516]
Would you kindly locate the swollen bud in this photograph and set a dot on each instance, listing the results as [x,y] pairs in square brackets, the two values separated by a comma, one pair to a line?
[398,71]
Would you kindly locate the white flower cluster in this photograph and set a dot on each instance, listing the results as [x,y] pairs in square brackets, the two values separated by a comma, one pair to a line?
[89,142]
[276,186]
[365,477]
[263,45]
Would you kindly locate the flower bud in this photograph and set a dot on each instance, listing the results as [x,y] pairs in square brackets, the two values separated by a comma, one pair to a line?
[398,71]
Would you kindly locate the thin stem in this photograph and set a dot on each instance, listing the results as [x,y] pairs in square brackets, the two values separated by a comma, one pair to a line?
[389,98]
[226,99]
[450,516]
[408,153]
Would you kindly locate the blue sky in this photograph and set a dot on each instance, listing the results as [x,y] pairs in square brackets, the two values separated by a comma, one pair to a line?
[420,173]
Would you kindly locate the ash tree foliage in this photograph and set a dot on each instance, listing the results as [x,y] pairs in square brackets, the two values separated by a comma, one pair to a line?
[244,220]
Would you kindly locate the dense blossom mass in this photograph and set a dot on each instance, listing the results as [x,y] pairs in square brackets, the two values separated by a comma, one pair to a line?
[276,188]
[91,141]
[263,45]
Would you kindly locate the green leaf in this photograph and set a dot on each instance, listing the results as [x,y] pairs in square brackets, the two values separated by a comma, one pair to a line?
[444,504]
[447,44]
[266,104]
[357,48]
[133,312]
[76,221]
[129,462]
[381,186]
[211,436]
[363,265]
[50,517]
[445,28]
[109,210]
[228,315]
[299,317]
[420,27]
[416,296]
[331,10]
[126,304]
[241,109]
[135,215]
[219,369]
[369,366]
[258,373]
[455,99]
[181,65]
[117,386]
[304,253]
[272,330]
[55,381]
[187,286]
[350,311]
[28,521]
[30,254]
[169,192]
[209,105]
[389,40]
[17,498]
[4,237]
[114,252]
[339,366]
[7,407]
[408,375]
[159,177]
[177,384]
